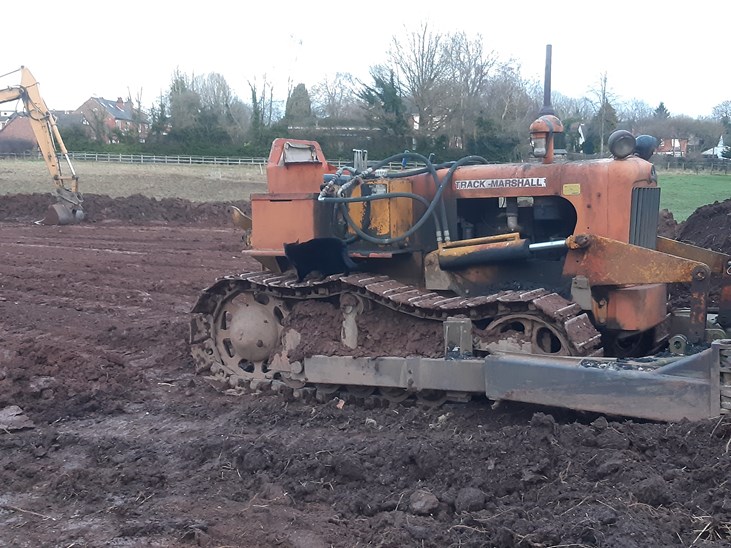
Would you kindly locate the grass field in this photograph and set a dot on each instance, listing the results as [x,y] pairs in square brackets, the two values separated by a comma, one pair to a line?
[195,183]
[682,192]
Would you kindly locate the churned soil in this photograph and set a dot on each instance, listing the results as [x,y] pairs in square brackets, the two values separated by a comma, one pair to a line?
[108,438]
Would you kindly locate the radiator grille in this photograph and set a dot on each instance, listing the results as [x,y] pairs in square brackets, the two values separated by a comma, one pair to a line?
[645,216]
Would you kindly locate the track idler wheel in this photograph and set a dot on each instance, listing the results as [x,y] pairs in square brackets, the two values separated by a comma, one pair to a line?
[525,333]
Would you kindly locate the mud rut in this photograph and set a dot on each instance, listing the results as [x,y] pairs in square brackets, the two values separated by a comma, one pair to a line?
[129,448]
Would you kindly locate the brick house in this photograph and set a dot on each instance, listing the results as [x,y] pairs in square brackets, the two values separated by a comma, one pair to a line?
[5,116]
[16,135]
[107,120]
[673,147]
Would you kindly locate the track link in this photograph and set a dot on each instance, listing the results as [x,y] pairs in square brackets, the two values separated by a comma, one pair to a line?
[266,298]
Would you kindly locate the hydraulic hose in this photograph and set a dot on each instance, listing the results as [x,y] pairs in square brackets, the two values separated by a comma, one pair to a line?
[440,186]
[429,168]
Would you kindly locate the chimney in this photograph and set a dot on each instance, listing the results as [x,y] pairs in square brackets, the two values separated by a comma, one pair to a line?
[120,103]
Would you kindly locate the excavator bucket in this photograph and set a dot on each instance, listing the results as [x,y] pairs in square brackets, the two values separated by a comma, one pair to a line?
[62,214]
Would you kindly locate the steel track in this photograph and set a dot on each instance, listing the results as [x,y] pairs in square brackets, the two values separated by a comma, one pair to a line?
[563,315]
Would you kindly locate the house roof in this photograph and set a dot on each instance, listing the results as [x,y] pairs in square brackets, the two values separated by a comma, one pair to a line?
[117,109]
[716,151]
[66,119]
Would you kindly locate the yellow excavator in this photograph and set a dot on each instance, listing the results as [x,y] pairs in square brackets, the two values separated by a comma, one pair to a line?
[67,209]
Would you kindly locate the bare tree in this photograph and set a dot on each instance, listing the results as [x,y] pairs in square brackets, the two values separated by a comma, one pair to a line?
[571,107]
[634,113]
[185,103]
[604,111]
[215,93]
[511,100]
[506,92]
[263,101]
[469,71]
[334,98]
[420,62]
[240,120]
[722,112]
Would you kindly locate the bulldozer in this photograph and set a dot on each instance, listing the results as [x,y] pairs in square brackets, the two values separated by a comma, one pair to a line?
[542,282]
[67,208]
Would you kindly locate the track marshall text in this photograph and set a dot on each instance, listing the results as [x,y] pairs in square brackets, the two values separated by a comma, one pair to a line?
[475,184]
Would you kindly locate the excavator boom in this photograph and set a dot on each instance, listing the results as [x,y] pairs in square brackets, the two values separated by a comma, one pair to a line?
[67,208]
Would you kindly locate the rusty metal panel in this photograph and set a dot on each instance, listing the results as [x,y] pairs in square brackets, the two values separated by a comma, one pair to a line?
[293,176]
[717,262]
[685,389]
[387,217]
[610,262]
[591,186]
[634,308]
[269,232]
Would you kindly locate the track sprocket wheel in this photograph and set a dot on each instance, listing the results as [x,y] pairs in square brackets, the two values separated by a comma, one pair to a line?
[246,330]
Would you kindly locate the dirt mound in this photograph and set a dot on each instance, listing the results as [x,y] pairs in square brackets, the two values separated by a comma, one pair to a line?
[135,209]
[709,226]
[667,226]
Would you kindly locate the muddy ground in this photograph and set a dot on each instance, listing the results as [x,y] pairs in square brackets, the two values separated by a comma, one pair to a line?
[129,448]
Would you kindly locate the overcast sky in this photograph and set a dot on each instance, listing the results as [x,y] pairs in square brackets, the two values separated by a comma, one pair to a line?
[652,51]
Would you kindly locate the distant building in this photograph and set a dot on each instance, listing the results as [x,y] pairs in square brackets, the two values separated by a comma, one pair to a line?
[716,151]
[673,147]
[16,135]
[5,116]
[107,121]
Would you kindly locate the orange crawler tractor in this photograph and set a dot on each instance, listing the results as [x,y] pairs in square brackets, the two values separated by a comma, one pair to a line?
[541,282]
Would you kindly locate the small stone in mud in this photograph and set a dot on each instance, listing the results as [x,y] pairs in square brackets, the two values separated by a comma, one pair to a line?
[423,502]
[469,499]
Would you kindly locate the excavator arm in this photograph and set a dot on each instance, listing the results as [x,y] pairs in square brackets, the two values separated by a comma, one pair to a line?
[67,208]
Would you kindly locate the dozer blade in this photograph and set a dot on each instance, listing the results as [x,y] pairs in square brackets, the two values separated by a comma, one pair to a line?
[693,387]
[239,218]
[60,214]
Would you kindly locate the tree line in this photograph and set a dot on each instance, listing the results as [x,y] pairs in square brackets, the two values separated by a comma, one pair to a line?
[437,92]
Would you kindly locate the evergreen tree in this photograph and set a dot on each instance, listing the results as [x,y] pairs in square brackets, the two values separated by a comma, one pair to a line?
[661,112]
[384,103]
[299,107]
